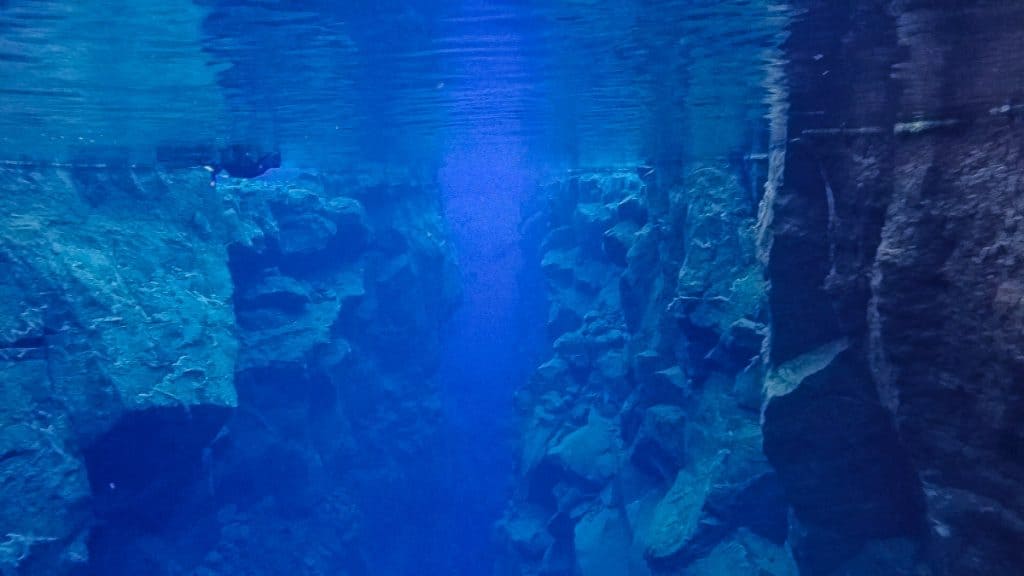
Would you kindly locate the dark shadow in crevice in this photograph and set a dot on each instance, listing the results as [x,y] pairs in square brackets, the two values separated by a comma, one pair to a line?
[140,470]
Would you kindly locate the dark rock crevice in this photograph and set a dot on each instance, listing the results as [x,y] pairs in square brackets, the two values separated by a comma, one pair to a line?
[138,468]
[90,287]
[881,406]
[327,399]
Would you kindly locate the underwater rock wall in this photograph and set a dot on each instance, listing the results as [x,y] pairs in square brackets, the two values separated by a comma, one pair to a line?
[214,381]
[115,316]
[340,297]
[826,380]
[641,450]
[892,245]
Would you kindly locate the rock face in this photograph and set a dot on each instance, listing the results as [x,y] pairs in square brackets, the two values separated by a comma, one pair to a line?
[225,373]
[891,242]
[641,447]
[840,395]
[115,317]
[341,289]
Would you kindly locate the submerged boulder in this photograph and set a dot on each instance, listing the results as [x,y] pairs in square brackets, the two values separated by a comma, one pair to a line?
[602,544]
[591,453]
[677,521]
[660,445]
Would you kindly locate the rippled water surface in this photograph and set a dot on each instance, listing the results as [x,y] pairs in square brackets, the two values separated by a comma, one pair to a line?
[580,80]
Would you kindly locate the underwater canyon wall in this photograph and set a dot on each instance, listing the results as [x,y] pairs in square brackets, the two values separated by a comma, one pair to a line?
[892,244]
[216,380]
[641,447]
[825,380]
[116,315]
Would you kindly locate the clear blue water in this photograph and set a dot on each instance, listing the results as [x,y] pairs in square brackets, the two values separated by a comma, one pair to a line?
[489,95]
[581,81]
[511,287]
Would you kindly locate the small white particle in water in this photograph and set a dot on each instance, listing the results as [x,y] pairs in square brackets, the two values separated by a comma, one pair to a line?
[818,57]
[112,486]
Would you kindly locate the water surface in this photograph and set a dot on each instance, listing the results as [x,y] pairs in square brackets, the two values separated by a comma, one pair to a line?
[583,81]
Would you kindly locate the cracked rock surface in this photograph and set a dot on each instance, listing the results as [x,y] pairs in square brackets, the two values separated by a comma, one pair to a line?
[212,371]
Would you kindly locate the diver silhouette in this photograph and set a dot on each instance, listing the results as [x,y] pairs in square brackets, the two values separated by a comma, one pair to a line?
[240,161]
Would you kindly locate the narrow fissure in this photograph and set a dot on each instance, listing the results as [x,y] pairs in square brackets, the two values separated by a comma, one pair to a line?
[490,287]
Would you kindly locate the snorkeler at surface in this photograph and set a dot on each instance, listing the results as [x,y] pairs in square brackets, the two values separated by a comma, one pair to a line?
[240,161]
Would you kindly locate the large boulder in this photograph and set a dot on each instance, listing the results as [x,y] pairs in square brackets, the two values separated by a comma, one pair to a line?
[592,453]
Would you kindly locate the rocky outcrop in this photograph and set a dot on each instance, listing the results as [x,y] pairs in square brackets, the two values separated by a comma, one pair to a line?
[891,243]
[115,317]
[342,287]
[641,448]
[839,395]
[225,373]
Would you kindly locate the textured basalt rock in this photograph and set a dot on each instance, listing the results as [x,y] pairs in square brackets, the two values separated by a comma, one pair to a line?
[638,454]
[891,243]
[860,367]
[116,308]
[213,371]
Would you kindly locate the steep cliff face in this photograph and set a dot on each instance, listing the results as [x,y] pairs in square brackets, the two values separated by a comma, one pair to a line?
[861,376]
[892,246]
[641,447]
[340,294]
[213,381]
[116,317]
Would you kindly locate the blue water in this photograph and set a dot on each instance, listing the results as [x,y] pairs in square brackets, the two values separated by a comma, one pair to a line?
[511,287]
[492,341]
[581,82]
[488,98]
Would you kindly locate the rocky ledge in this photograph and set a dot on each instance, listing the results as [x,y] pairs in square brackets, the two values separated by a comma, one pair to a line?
[212,371]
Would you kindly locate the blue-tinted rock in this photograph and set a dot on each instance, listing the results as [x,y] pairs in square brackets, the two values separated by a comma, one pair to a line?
[632,208]
[746,554]
[618,240]
[527,534]
[592,453]
[115,306]
[664,349]
[602,544]
[822,419]
[660,445]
